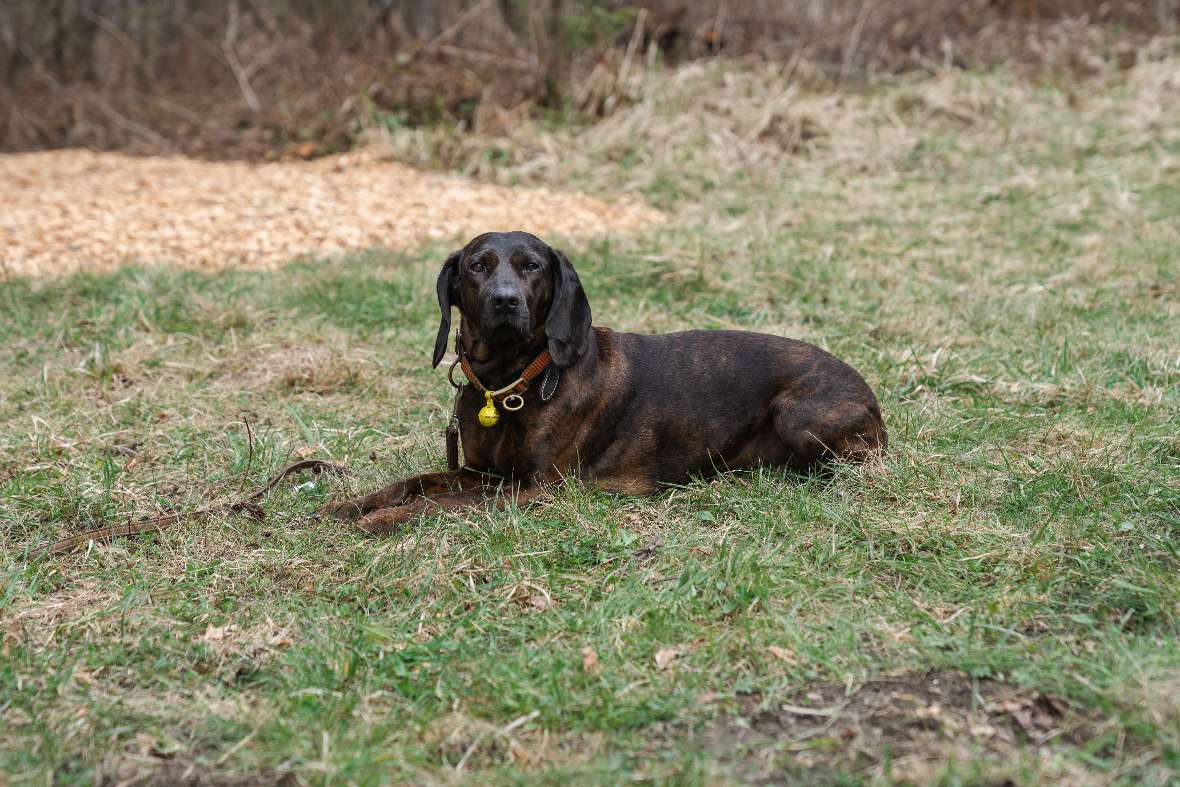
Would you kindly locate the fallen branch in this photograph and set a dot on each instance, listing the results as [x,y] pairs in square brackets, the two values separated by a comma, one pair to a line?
[247,505]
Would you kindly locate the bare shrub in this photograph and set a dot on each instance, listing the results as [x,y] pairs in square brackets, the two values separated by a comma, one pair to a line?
[293,77]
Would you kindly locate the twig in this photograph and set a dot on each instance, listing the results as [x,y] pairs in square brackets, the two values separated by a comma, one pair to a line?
[854,40]
[130,125]
[479,56]
[250,441]
[461,22]
[823,712]
[171,106]
[772,107]
[232,750]
[632,45]
[109,26]
[126,123]
[507,728]
[264,13]
[436,44]
[719,24]
[231,57]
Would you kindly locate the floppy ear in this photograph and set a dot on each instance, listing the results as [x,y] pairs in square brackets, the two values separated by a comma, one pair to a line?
[448,293]
[567,326]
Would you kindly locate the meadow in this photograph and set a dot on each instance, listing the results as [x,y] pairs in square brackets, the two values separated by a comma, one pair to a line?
[996,601]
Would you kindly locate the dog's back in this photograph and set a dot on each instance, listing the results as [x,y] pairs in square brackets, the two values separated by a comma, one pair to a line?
[696,401]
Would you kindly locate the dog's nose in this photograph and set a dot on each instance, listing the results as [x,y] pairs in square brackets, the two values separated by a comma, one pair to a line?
[505,302]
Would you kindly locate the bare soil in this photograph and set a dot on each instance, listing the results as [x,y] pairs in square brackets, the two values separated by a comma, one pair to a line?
[68,210]
[916,720]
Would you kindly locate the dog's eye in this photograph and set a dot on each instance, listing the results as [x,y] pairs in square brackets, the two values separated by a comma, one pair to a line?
[477,267]
[531,267]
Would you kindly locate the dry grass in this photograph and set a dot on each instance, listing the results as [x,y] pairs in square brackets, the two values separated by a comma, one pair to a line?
[791,120]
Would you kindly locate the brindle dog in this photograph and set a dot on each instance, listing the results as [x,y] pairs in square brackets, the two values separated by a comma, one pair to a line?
[626,411]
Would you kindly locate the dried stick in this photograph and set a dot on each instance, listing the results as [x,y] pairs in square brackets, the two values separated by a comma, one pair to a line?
[248,505]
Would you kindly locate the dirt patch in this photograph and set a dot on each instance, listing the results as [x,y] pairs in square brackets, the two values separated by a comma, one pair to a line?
[152,767]
[69,210]
[916,721]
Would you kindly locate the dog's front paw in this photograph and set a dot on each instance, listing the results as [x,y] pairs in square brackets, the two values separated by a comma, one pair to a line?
[348,511]
[387,521]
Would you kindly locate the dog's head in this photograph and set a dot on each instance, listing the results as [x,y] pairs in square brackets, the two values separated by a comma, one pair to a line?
[513,290]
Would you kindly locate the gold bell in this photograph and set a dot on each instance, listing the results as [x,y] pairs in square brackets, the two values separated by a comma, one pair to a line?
[488,415]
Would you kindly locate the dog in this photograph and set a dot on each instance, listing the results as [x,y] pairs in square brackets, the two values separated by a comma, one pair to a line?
[549,396]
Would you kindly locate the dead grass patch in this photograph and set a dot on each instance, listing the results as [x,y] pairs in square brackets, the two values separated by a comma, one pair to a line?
[923,719]
[1159,694]
[36,620]
[465,743]
[730,124]
[251,644]
[320,372]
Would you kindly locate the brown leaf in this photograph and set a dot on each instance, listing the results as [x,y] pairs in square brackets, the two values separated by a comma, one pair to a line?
[304,150]
[590,663]
[217,633]
[783,654]
[665,656]
[519,753]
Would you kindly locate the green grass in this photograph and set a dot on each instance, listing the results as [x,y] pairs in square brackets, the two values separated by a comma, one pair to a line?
[1016,305]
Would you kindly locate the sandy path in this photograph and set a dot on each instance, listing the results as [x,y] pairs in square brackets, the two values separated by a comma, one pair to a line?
[62,211]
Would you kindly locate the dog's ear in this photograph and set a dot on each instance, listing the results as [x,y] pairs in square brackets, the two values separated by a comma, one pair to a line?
[448,295]
[567,326]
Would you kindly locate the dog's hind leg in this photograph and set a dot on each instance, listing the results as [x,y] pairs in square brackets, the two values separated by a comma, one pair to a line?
[386,521]
[818,431]
[402,492]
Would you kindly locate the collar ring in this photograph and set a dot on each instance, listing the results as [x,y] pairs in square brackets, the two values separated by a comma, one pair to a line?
[451,375]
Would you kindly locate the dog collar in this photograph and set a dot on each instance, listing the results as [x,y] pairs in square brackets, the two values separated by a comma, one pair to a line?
[511,393]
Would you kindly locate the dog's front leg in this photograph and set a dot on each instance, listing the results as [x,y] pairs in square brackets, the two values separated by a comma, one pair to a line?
[387,520]
[400,493]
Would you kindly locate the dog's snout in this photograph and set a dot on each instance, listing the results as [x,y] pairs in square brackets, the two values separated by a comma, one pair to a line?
[505,301]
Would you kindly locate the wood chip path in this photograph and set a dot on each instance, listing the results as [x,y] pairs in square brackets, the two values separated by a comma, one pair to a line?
[67,210]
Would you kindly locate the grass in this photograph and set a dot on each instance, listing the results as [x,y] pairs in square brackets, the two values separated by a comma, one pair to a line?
[999,260]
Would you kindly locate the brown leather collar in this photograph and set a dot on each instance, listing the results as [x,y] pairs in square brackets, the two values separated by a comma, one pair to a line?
[529,374]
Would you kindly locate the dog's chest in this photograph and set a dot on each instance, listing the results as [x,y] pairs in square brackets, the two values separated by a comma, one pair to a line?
[513,446]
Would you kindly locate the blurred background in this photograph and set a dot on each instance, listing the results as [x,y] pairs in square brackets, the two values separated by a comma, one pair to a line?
[274,78]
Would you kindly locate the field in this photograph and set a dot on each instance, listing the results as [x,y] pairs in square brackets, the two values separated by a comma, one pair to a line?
[996,601]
